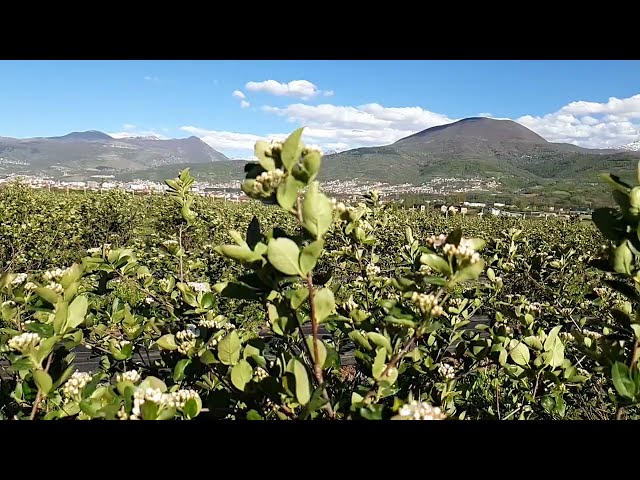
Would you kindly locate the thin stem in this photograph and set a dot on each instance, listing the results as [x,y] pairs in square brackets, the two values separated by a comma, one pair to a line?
[180,258]
[317,368]
[36,404]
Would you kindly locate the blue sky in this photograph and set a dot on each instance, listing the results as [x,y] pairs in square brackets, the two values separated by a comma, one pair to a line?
[345,104]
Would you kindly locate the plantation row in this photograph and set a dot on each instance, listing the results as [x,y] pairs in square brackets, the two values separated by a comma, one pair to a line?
[170,292]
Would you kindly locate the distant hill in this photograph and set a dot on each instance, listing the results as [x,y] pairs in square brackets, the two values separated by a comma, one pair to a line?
[81,153]
[476,147]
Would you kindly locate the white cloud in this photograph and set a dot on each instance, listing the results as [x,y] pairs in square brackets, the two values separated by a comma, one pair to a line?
[151,78]
[366,125]
[328,93]
[244,104]
[128,126]
[238,94]
[485,114]
[590,124]
[303,89]
[341,127]
[226,141]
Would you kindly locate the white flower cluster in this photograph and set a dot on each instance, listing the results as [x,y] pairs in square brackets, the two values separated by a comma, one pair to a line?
[350,304]
[446,370]
[54,274]
[419,411]
[340,207]
[427,303]
[19,279]
[181,397]
[462,252]
[187,341]
[154,395]
[425,269]
[140,396]
[29,286]
[170,242]
[94,250]
[24,342]
[132,376]
[261,373]
[372,270]
[73,387]
[55,286]
[566,336]
[266,182]
[592,334]
[149,300]
[534,307]
[199,286]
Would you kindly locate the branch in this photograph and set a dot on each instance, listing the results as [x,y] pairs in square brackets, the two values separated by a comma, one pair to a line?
[36,404]
[317,368]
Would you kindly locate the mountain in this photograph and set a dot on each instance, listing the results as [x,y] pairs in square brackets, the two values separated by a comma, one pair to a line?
[89,136]
[82,154]
[482,147]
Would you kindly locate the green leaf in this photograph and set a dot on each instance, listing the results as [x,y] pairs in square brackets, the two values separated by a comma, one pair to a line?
[178,371]
[292,149]
[261,149]
[533,342]
[60,318]
[240,253]
[43,381]
[551,338]
[322,350]
[298,296]
[470,272]
[241,374]
[229,348]
[380,340]
[303,394]
[621,376]
[317,211]
[77,311]
[283,254]
[615,182]
[254,415]
[192,407]
[476,244]
[623,258]
[436,262]
[491,275]
[555,356]
[356,336]
[606,219]
[520,354]
[311,163]
[149,410]
[47,294]
[153,382]
[167,342]
[287,193]
[379,362]
[309,256]
[325,303]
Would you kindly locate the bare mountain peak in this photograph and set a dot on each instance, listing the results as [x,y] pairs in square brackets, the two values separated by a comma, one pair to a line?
[479,128]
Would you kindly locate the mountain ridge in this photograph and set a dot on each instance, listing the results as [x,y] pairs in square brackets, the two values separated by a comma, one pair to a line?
[80,153]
